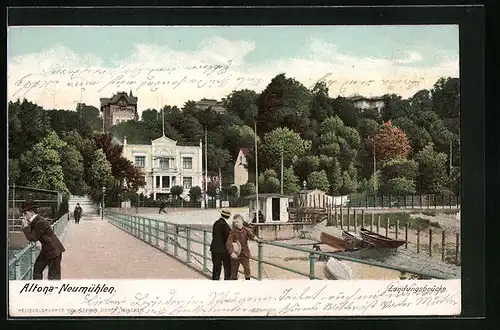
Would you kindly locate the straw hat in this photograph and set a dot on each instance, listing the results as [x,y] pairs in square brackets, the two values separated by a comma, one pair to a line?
[225,213]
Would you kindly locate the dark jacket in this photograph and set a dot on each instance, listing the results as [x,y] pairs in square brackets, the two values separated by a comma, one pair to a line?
[40,230]
[220,233]
[77,213]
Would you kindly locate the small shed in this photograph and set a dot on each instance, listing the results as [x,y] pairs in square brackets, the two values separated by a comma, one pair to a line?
[274,207]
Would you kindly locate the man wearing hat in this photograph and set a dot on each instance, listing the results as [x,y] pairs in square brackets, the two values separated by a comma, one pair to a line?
[36,228]
[220,256]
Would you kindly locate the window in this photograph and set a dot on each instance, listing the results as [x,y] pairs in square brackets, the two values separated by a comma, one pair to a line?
[165,182]
[157,182]
[164,163]
[140,161]
[187,163]
[187,182]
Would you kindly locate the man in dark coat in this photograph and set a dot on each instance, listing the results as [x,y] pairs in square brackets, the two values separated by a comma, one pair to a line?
[163,206]
[36,228]
[77,213]
[220,256]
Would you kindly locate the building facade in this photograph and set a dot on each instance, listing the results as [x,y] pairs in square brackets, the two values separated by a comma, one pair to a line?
[366,103]
[119,108]
[241,168]
[217,106]
[165,165]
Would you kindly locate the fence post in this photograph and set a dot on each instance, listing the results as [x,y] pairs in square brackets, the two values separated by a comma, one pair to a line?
[205,268]
[341,217]
[335,217]
[457,248]
[17,268]
[430,242]
[443,245]
[405,201]
[355,221]
[312,265]
[418,240]
[143,225]
[348,219]
[188,245]
[397,229]
[390,201]
[382,201]
[412,203]
[451,201]
[259,261]
[387,227]
[157,232]
[371,221]
[149,230]
[176,240]
[165,236]
[378,223]
[406,235]
[362,218]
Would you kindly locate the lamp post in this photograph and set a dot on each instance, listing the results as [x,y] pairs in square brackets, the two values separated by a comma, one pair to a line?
[304,184]
[102,209]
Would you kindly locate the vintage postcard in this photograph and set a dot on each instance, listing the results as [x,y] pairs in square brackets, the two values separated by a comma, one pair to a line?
[303,170]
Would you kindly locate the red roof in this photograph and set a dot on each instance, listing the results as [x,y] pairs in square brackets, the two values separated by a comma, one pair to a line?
[245,151]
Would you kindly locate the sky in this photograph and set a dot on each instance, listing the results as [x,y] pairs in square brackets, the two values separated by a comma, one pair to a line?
[57,67]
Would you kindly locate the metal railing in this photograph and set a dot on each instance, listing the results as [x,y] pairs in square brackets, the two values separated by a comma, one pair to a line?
[165,236]
[21,264]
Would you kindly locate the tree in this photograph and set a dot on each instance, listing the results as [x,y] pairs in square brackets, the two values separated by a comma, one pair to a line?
[232,192]
[243,104]
[346,111]
[237,137]
[194,194]
[217,158]
[432,177]
[394,107]
[305,166]
[212,188]
[101,172]
[321,106]
[285,102]
[418,136]
[14,171]
[399,167]
[90,115]
[269,182]
[290,142]
[177,191]
[446,98]
[41,165]
[247,189]
[73,169]
[291,183]
[318,180]
[399,187]
[390,142]
[28,125]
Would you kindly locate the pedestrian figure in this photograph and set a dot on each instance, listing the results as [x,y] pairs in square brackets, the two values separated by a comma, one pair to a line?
[220,255]
[237,246]
[163,207]
[77,213]
[35,229]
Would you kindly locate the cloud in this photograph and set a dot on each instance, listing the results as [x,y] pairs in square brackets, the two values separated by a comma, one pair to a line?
[412,58]
[213,70]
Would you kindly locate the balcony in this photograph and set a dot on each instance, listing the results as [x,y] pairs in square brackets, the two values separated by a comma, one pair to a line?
[165,169]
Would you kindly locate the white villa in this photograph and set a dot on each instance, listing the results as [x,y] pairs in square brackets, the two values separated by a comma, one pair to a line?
[166,165]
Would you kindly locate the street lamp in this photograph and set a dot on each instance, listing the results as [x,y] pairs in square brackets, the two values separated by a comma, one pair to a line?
[102,210]
[304,184]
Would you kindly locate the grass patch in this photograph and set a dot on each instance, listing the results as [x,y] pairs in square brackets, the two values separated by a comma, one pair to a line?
[428,213]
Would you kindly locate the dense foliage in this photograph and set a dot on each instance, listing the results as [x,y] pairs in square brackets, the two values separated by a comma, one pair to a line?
[409,146]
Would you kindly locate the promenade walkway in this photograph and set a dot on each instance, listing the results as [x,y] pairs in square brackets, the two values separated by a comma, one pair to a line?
[95,249]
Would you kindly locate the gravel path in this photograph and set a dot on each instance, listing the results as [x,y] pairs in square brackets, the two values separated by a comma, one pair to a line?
[96,249]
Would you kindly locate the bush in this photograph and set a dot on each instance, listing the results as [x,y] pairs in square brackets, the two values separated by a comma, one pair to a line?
[177,191]
[247,189]
[194,194]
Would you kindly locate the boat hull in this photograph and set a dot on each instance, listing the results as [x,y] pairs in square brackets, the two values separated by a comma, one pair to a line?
[333,241]
[380,241]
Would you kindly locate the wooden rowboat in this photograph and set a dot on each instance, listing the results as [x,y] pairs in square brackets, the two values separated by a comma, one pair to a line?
[380,241]
[354,242]
[333,241]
